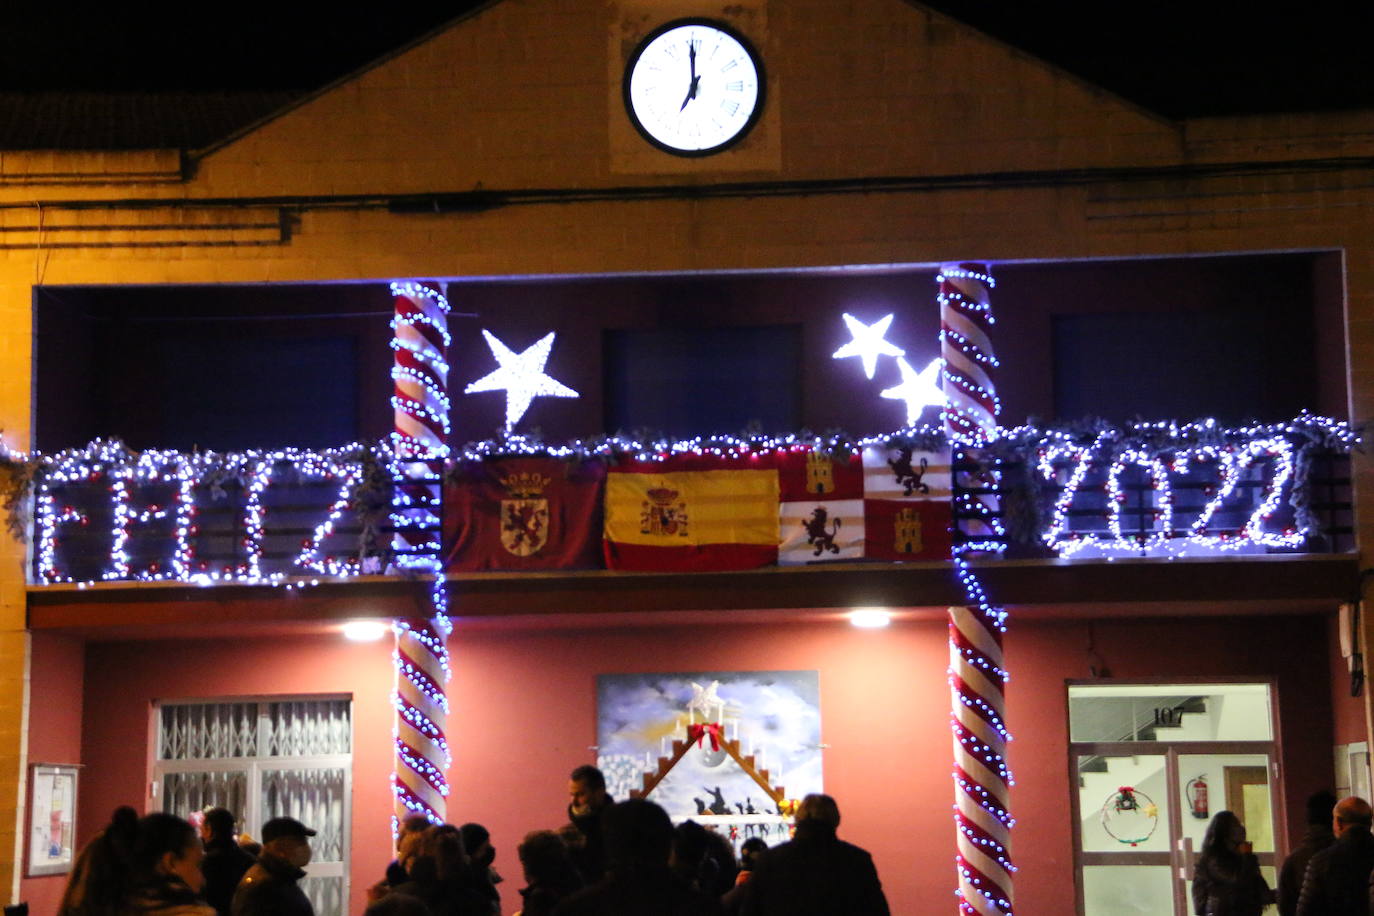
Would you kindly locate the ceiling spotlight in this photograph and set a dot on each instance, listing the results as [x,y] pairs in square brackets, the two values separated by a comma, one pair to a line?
[365,630]
[870,618]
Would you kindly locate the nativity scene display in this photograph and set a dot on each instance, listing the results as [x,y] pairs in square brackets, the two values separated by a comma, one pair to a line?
[730,750]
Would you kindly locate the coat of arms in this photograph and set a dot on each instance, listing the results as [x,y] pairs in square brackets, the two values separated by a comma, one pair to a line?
[525,515]
[663,514]
[907,533]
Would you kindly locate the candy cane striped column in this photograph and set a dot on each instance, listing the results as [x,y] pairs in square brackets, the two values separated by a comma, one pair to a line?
[421,405]
[971,409]
[422,756]
[977,675]
[419,446]
[981,777]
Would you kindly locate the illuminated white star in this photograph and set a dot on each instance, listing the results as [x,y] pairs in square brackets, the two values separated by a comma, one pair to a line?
[868,343]
[521,377]
[919,390]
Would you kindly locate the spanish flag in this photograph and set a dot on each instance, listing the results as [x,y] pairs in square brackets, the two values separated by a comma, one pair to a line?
[696,513]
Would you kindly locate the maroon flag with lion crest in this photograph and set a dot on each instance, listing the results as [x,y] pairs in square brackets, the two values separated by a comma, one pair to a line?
[523,513]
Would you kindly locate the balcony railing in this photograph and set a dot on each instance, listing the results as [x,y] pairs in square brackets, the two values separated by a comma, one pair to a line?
[107,514]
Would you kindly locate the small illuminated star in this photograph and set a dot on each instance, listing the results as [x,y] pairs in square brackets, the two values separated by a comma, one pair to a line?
[1152,810]
[868,343]
[521,376]
[919,390]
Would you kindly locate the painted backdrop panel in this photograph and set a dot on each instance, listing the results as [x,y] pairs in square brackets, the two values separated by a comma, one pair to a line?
[775,715]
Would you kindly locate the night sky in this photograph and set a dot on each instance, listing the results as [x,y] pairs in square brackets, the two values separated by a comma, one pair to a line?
[1178,59]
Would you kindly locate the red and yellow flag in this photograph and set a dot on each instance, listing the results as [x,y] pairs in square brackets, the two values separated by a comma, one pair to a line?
[692,513]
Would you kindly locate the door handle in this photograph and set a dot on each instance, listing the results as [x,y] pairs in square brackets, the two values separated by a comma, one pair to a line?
[1185,851]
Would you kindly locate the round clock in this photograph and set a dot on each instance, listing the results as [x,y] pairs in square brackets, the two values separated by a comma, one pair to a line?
[694,87]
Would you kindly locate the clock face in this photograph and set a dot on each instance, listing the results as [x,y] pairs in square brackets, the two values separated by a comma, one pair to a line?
[693,87]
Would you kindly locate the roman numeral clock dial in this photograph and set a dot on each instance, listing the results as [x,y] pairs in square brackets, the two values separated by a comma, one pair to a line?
[694,87]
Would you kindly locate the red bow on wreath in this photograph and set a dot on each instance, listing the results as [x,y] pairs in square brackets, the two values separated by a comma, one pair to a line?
[697,732]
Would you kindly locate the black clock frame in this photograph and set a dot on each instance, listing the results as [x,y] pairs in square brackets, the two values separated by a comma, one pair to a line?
[709,23]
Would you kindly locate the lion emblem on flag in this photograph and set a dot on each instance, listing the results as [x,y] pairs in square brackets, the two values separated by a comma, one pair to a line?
[816,533]
[907,475]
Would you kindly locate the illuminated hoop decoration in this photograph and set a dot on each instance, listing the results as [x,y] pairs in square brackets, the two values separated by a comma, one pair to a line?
[977,675]
[1129,816]
[419,446]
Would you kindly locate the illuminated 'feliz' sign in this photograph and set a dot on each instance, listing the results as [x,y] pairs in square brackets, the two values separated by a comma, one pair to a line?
[164,492]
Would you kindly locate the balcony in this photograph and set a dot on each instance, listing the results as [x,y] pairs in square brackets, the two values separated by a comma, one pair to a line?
[1097,518]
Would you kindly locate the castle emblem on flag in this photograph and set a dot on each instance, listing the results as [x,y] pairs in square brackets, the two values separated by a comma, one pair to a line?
[819,537]
[525,515]
[907,476]
[820,473]
[663,514]
[907,531]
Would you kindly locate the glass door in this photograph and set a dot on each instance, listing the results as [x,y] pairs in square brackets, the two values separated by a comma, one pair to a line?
[1124,856]
[1152,765]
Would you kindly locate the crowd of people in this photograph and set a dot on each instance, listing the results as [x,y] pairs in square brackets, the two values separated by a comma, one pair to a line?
[610,859]
[1328,874]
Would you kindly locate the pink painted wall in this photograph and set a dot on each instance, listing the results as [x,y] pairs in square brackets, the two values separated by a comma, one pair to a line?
[123,680]
[524,715]
[1041,657]
[55,701]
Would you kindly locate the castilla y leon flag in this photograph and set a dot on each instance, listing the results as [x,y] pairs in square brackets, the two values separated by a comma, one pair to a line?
[821,516]
[907,504]
[523,513]
[692,512]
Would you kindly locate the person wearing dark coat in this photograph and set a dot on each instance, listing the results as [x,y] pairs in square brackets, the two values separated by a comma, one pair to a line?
[272,886]
[1317,838]
[1226,877]
[225,862]
[1337,879]
[816,872]
[638,882]
[439,876]
[481,854]
[549,873]
[100,876]
[165,877]
[588,799]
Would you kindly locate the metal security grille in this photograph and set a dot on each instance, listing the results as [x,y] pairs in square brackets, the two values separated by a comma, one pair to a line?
[266,758]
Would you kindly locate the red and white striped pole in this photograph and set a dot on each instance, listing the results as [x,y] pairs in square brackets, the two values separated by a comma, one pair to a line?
[977,674]
[419,446]
[971,404]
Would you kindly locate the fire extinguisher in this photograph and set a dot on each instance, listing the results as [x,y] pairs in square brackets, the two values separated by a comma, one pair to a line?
[1196,791]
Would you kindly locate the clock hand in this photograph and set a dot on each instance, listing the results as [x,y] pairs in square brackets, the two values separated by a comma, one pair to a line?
[691,92]
[692,87]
